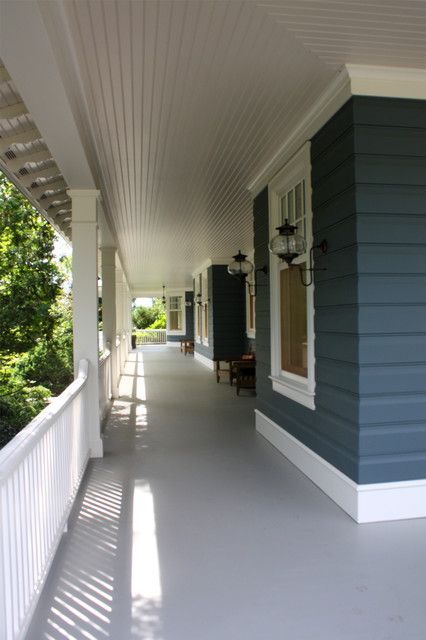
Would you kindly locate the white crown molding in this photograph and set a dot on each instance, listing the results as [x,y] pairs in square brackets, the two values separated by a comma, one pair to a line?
[352,80]
[387,82]
[379,502]
[329,101]
[209,263]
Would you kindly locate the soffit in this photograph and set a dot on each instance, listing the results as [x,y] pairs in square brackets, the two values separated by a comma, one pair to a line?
[180,105]
[26,159]
[186,101]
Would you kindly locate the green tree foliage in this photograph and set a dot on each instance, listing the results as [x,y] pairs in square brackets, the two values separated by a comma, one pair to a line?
[35,314]
[153,317]
[29,279]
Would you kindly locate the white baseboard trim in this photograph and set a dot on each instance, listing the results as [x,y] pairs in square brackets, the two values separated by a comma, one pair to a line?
[204,360]
[365,503]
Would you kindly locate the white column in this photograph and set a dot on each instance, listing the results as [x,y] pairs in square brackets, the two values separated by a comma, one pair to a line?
[119,297]
[109,311]
[85,303]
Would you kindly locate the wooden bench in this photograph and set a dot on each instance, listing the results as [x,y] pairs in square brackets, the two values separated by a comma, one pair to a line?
[244,374]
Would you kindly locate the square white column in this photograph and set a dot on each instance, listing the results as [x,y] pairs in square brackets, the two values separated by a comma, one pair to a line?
[85,303]
[109,311]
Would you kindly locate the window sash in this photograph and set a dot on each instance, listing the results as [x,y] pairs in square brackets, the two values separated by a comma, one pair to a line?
[293,314]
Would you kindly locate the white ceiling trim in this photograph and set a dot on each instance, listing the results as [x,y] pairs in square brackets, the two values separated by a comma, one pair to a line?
[330,101]
[388,82]
[365,80]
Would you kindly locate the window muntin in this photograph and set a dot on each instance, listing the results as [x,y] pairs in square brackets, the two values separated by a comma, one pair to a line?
[292,340]
[206,323]
[175,313]
[205,306]
[197,307]
[251,302]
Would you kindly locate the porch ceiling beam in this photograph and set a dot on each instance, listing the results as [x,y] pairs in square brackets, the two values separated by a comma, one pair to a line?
[4,74]
[55,185]
[21,161]
[19,138]
[58,197]
[50,172]
[54,212]
[13,111]
[63,204]
[32,64]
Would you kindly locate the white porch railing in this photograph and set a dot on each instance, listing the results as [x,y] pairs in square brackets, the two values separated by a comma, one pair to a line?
[105,381]
[151,336]
[40,472]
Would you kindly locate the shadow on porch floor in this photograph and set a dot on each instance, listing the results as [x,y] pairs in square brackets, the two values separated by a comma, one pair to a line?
[192,527]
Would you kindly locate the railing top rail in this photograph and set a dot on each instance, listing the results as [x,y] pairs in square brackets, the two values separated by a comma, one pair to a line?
[20,446]
[104,357]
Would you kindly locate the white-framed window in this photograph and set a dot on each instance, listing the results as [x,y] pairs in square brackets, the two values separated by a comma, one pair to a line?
[292,304]
[205,306]
[176,324]
[197,308]
[251,302]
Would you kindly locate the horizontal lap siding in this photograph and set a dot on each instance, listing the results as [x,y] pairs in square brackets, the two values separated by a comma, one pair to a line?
[229,313]
[390,152]
[331,430]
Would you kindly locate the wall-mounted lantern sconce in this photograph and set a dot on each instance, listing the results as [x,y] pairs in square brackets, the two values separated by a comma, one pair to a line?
[288,245]
[241,268]
[163,299]
[198,299]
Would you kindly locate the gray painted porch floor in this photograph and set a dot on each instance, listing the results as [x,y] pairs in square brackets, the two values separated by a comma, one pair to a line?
[192,527]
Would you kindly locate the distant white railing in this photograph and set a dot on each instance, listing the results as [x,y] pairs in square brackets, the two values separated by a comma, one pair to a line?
[105,380]
[40,472]
[151,336]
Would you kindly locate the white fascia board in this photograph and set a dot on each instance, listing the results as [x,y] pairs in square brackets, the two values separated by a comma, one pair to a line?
[26,51]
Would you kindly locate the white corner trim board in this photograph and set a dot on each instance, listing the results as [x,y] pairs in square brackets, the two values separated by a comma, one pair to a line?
[365,503]
[204,360]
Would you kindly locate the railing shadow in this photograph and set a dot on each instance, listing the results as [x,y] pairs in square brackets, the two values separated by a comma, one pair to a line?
[94,590]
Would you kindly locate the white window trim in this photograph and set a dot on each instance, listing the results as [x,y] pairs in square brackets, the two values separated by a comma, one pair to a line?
[297,388]
[250,333]
[176,332]
[205,301]
[197,290]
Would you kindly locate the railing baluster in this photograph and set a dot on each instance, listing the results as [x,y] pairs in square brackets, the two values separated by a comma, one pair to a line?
[40,470]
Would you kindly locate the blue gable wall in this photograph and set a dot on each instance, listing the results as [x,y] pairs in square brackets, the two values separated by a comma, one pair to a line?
[369,201]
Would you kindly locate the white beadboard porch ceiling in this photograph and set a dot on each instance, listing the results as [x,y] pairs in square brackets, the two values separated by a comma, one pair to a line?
[181,103]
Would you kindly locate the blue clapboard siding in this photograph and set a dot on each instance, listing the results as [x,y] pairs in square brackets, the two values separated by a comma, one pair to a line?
[331,430]
[189,319]
[369,201]
[226,315]
[229,313]
[390,152]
